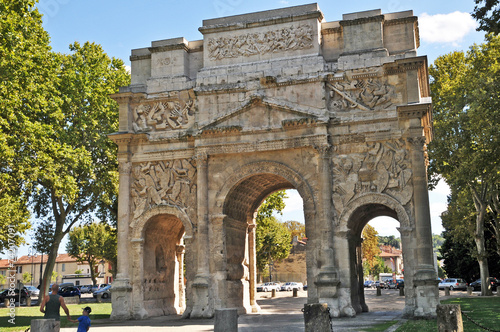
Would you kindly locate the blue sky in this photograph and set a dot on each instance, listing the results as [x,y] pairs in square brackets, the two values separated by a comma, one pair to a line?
[120,26]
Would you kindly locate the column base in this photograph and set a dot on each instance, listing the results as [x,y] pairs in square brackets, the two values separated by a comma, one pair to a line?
[122,300]
[201,308]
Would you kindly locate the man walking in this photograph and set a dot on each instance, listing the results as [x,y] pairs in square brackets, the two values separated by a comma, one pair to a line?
[51,305]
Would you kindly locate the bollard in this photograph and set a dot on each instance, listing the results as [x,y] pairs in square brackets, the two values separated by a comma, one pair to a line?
[379,291]
[273,292]
[6,302]
[317,317]
[28,302]
[449,318]
[469,290]
[295,292]
[99,298]
[42,325]
[447,291]
[226,320]
[402,291]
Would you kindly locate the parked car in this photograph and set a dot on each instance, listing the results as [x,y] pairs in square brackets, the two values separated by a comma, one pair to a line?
[32,291]
[369,284]
[400,283]
[69,291]
[104,291]
[289,286]
[453,283]
[380,284]
[97,287]
[305,287]
[269,286]
[86,289]
[14,294]
[476,285]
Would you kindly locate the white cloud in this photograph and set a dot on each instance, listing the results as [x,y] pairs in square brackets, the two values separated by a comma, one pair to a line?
[128,69]
[445,28]
[294,202]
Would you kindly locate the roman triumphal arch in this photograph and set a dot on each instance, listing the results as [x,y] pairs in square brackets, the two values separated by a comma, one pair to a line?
[266,101]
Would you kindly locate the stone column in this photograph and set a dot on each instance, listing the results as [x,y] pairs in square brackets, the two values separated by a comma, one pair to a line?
[252,258]
[180,260]
[121,286]
[201,280]
[138,310]
[425,276]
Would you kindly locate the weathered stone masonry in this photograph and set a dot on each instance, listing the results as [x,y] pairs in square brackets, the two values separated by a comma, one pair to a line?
[266,101]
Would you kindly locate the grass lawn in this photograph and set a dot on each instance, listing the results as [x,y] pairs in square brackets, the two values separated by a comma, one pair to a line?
[483,310]
[24,315]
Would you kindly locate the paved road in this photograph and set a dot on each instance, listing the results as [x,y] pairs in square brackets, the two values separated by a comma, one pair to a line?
[282,313]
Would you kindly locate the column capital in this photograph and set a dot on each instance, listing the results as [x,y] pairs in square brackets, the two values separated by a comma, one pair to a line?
[124,168]
[417,143]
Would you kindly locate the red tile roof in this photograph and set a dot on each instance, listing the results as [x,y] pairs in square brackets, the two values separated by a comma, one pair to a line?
[61,258]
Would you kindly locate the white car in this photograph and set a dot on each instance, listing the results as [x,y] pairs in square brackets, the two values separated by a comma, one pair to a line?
[289,286]
[32,291]
[269,286]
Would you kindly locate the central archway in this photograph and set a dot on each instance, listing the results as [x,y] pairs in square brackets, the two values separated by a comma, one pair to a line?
[241,195]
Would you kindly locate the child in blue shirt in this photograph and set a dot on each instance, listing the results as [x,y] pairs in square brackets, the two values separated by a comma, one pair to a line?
[84,320]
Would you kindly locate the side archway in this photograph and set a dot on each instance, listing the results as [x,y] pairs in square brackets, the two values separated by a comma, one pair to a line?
[353,219]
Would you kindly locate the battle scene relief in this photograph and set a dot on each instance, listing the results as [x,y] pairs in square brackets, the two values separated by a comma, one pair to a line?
[382,168]
[171,182]
[168,115]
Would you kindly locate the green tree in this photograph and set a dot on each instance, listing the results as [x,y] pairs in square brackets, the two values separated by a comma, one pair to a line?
[296,229]
[2,280]
[437,242]
[379,267]
[87,175]
[272,238]
[28,106]
[390,240]
[87,244]
[26,277]
[369,247]
[487,13]
[53,276]
[111,250]
[465,150]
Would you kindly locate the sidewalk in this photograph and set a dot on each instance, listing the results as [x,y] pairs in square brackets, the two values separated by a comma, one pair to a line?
[282,313]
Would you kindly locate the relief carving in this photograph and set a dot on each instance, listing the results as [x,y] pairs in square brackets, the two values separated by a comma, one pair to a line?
[170,182]
[366,94]
[384,167]
[168,115]
[284,39]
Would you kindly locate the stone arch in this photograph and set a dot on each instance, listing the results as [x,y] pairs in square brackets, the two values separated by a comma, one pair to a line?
[157,239]
[386,205]
[137,226]
[353,219]
[291,179]
[237,200]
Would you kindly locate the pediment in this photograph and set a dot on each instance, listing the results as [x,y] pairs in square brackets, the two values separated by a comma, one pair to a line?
[263,113]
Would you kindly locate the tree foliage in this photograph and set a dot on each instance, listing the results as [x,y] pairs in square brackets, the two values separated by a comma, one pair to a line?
[390,240]
[272,238]
[28,106]
[465,150]
[89,244]
[487,13]
[370,247]
[296,228]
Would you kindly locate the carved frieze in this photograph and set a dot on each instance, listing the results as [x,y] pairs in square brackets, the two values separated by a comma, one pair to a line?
[367,94]
[166,115]
[170,182]
[280,40]
[382,168]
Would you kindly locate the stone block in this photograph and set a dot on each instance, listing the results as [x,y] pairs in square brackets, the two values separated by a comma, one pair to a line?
[226,320]
[72,300]
[42,325]
[449,318]
[317,317]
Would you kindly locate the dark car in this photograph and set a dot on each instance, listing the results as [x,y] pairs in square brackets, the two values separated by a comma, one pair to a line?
[14,294]
[400,283]
[69,291]
[476,285]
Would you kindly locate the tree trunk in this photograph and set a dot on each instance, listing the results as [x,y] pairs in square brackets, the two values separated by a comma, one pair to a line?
[49,267]
[482,256]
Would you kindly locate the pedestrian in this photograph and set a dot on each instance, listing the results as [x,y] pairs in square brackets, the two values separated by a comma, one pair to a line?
[50,306]
[84,320]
